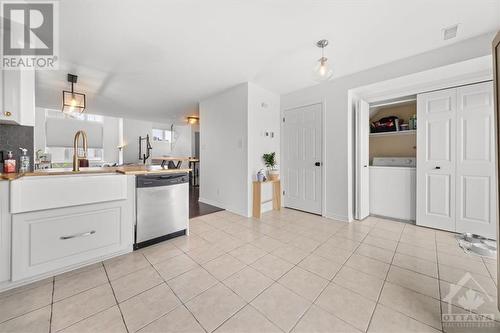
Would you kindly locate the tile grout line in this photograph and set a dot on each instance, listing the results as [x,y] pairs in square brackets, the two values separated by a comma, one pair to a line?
[273,283]
[383,284]
[52,304]
[391,264]
[488,270]
[90,316]
[30,311]
[245,242]
[116,300]
[326,286]
[334,275]
[439,284]
[175,294]
[249,303]
[385,280]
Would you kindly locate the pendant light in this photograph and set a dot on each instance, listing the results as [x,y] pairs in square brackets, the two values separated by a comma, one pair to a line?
[73,102]
[322,71]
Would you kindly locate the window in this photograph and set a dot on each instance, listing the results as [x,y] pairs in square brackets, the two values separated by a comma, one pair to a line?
[162,135]
[65,154]
[60,129]
[79,116]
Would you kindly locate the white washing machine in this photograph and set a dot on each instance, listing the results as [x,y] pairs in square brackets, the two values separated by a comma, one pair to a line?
[393,187]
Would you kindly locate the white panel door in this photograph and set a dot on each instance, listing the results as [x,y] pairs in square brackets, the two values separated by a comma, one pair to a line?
[362,120]
[436,114]
[475,178]
[302,158]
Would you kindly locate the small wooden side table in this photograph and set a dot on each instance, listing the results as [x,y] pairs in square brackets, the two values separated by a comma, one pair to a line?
[257,196]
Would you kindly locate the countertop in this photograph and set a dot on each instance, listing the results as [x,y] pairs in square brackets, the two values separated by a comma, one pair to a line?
[127,170]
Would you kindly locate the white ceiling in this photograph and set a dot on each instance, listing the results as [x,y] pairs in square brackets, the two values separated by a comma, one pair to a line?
[157,58]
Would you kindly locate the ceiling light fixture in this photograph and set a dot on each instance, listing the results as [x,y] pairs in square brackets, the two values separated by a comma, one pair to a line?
[192,120]
[73,102]
[322,71]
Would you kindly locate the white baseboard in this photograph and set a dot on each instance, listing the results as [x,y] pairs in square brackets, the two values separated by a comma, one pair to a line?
[221,205]
[337,217]
[210,202]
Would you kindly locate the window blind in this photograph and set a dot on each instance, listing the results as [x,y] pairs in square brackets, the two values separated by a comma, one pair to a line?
[61,132]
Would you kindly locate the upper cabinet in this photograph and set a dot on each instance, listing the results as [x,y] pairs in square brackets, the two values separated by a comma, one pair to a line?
[17,97]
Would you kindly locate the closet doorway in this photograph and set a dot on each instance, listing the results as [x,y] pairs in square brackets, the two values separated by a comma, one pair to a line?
[454,177]
[387,153]
[432,160]
[456,171]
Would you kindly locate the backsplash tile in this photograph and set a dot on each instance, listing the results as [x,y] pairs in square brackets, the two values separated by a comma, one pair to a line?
[12,137]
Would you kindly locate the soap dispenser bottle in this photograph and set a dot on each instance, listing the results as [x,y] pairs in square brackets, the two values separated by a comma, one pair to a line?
[24,161]
[9,165]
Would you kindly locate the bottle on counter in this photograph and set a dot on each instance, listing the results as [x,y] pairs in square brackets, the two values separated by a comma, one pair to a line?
[9,164]
[24,161]
[413,122]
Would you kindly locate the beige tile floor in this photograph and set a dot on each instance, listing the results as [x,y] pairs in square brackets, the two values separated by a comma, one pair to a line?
[289,272]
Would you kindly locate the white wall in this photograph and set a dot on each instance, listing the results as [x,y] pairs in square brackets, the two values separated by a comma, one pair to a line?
[232,127]
[183,142]
[334,97]
[263,116]
[223,150]
[194,129]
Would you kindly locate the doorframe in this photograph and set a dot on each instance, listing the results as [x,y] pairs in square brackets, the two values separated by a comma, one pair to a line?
[462,73]
[323,148]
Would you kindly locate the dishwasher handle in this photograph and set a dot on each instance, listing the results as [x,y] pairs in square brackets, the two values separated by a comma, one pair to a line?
[171,176]
[161,180]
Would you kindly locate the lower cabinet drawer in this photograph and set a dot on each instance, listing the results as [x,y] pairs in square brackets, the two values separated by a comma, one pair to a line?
[53,239]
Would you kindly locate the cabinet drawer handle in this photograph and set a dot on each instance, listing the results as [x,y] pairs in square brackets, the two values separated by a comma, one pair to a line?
[7,113]
[83,234]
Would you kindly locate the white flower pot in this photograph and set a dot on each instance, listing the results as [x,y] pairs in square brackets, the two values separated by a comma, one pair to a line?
[273,174]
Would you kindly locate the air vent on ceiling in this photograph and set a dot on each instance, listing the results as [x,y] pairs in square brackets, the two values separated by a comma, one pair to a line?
[450,32]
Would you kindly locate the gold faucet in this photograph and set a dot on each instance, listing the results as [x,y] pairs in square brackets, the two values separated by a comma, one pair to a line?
[76,157]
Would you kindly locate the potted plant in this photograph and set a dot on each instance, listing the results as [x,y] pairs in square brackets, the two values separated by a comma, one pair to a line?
[272,166]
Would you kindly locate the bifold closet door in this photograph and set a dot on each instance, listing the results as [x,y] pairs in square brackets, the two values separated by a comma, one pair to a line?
[476,182]
[436,133]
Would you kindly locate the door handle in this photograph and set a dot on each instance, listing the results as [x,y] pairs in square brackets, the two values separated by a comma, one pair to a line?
[437,168]
[317,164]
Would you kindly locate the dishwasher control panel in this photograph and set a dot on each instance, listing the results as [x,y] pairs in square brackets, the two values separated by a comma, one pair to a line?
[161,180]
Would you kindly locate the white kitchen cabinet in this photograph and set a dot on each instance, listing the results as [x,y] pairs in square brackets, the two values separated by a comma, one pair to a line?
[17,97]
[53,239]
[5,225]
[49,241]
[456,183]
[46,192]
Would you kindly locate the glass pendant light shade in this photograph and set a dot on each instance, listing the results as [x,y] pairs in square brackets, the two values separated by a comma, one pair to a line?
[73,102]
[322,70]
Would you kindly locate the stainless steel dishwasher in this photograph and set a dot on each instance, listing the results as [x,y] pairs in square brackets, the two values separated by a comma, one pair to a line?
[162,207]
